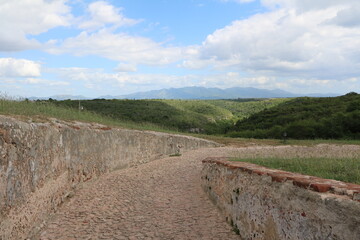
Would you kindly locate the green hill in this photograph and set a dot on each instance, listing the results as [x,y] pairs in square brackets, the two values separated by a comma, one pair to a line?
[205,116]
[300,118]
[305,118]
[245,107]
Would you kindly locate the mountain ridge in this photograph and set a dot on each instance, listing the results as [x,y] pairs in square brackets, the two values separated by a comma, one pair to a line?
[200,93]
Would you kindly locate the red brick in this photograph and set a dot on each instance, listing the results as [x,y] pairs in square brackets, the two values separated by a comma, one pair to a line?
[278,177]
[105,128]
[300,182]
[320,187]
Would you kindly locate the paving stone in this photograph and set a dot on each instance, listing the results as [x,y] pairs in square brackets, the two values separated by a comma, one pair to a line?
[162,199]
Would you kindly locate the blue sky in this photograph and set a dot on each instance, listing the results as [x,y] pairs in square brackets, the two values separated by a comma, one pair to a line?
[97,48]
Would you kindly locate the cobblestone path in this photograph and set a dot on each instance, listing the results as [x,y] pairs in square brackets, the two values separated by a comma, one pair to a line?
[162,199]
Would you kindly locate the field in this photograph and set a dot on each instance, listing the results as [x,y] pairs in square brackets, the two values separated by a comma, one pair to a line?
[326,161]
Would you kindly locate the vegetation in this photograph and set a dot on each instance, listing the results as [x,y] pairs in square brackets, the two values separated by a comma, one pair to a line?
[40,110]
[248,142]
[299,118]
[305,118]
[339,162]
[243,108]
[342,169]
[200,116]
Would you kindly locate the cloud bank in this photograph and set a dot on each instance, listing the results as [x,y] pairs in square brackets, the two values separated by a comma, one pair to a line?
[293,44]
[300,38]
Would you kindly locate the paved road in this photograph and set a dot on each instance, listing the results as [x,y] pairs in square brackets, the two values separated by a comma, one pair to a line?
[159,200]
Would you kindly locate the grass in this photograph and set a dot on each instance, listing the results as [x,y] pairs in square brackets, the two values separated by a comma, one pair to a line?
[40,111]
[175,155]
[182,115]
[248,142]
[321,141]
[330,161]
[211,111]
[243,108]
[205,116]
[342,169]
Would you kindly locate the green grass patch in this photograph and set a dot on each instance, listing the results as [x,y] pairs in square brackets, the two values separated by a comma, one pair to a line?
[342,169]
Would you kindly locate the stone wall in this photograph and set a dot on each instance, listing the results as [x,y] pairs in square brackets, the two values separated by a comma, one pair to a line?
[262,203]
[42,163]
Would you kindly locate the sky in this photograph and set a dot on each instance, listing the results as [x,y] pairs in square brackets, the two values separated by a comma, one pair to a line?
[109,47]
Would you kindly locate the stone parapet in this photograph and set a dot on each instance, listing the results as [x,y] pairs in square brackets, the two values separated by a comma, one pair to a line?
[263,203]
[42,163]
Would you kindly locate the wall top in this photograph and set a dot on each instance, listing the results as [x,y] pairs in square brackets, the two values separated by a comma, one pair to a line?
[316,184]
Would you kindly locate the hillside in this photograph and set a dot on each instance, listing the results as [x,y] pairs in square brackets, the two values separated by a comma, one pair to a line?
[305,118]
[242,108]
[206,116]
[300,118]
[214,93]
[209,93]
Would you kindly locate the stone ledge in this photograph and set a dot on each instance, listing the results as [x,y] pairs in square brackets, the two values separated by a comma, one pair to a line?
[304,181]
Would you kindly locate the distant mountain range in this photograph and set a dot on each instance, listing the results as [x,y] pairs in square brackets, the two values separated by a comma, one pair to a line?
[201,93]
[215,93]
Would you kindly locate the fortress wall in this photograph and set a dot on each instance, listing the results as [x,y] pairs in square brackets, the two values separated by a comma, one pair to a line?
[41,164]
[263,203]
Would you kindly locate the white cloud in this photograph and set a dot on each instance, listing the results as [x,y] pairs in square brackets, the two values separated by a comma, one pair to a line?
[97,78]
[286,43]
[11,67]
[100,82]
[124,67]
[46,82]
[120,47]
[102,37]
[22,18]
[101,13]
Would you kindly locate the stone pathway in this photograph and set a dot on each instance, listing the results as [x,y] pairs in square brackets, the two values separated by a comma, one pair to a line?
[159,200]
